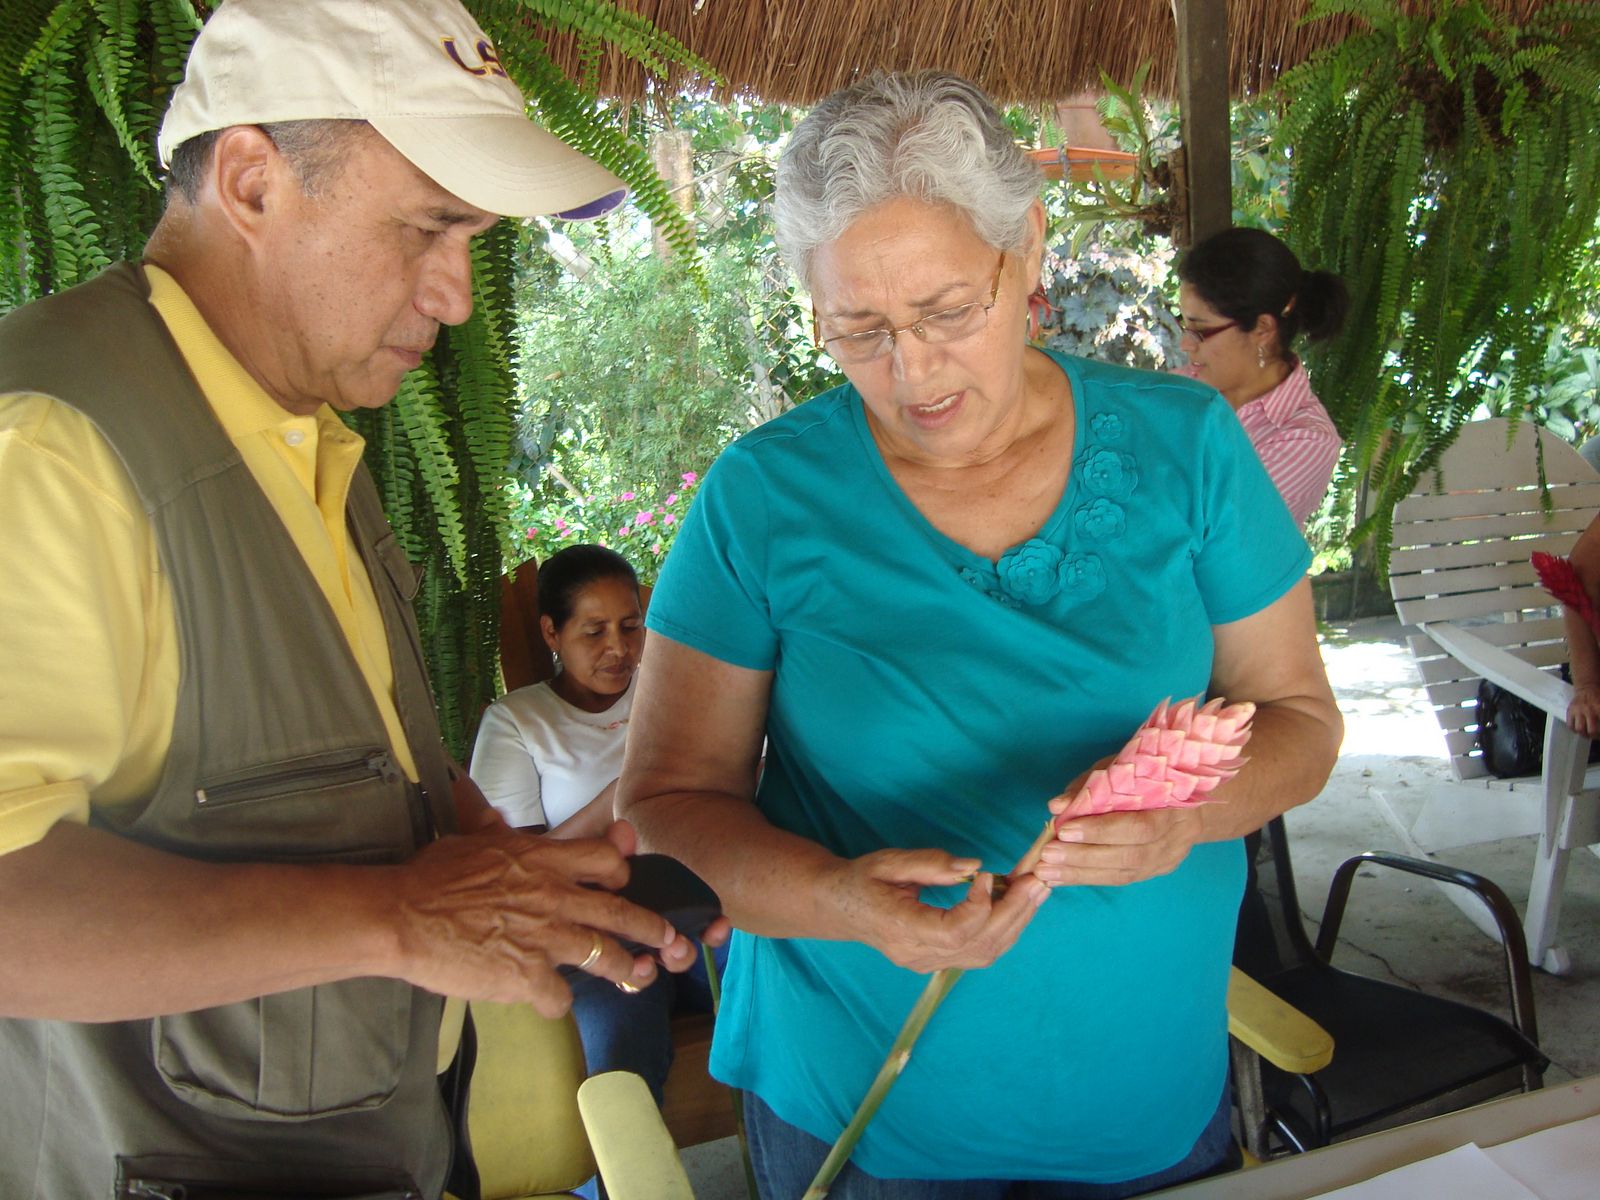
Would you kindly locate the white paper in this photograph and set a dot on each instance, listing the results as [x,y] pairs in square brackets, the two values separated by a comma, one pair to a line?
[1465,1173]
[1562,1163]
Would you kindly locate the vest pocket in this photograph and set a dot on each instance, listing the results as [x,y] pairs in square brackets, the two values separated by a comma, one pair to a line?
[170,1177]
[311,1052]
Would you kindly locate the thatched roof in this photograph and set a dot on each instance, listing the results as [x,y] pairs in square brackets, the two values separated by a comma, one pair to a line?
[797,51]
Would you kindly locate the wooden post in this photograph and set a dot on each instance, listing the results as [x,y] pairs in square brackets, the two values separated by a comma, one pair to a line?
[672,155]
[1203,109]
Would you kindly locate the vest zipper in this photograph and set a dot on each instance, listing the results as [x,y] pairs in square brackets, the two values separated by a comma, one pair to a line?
[365,765]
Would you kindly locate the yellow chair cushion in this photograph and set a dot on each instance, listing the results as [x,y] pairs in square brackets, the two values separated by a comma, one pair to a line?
[527,1134]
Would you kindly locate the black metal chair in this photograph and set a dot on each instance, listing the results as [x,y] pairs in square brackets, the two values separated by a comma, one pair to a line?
[1399,1055]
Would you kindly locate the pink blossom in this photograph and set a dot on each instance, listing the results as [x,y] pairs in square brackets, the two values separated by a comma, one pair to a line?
[643,517]
[561,525]
[624,531]
[672,498]
[626,496]
[689,478]
[1178,755]
[669,519]
[532,531]
[656,549]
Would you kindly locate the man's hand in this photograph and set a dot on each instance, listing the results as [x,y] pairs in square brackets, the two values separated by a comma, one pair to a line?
[491,916]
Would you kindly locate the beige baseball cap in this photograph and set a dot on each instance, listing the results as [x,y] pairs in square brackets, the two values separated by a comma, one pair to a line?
[421,72]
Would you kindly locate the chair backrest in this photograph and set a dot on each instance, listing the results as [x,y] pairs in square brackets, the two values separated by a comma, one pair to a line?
[1271,937]
[1460,553]
[524,658]
[527,1133]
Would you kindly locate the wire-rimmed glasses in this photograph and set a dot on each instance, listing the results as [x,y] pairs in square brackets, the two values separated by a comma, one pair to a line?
[937,328]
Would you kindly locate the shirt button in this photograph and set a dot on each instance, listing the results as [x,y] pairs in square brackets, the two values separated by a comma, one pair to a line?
[294,437]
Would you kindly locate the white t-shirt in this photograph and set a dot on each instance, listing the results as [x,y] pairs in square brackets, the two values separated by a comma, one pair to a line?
[539,759]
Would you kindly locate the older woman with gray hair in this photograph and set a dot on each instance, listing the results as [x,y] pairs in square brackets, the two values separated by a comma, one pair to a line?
[939,594]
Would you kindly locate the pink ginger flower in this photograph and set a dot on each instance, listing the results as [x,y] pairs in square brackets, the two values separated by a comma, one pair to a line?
[1173,760]
[1178,755]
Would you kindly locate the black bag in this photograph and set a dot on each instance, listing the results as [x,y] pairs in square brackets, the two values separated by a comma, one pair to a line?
[1510,732]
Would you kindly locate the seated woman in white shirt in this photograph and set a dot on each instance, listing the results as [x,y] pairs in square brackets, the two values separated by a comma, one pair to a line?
[547,757]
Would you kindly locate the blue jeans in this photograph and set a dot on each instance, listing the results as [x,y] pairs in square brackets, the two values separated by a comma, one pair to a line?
[786,1160]
[622,1032]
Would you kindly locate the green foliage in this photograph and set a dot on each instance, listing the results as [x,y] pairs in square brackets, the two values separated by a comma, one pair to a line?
[1143,197]
[635,375]
[79,111]
[639,525]
[1445,164]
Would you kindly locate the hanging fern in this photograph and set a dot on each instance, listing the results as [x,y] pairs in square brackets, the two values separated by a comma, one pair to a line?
[1446,165]
[79,111]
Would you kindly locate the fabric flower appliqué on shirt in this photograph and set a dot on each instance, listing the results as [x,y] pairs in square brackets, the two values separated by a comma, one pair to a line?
[1031,572]
[1107,473]
[1083,577]
[1106,426]
[988,585]
[1100,520]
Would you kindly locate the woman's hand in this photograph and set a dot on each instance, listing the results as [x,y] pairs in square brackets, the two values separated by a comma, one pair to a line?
[1112,849]
[1583,714]
[879,894]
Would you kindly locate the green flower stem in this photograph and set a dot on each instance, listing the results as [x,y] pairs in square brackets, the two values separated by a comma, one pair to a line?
[939,985]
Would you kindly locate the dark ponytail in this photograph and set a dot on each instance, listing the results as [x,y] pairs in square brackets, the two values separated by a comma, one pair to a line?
[1243,273]
[1321,305]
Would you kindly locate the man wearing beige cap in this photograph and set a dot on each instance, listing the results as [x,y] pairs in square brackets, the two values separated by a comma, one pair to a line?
[238,871]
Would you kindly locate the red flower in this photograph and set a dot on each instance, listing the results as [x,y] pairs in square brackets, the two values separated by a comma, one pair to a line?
[1556,576]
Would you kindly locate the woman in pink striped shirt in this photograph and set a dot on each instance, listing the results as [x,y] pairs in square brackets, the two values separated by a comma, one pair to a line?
[1243,302]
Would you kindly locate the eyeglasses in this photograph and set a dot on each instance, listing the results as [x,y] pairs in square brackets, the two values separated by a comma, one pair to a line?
[1202,335]
[936,329]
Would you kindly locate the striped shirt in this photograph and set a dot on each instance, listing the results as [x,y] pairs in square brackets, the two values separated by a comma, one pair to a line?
[1295,439]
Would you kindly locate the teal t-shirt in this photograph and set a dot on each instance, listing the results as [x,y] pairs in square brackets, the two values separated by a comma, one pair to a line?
[923,697]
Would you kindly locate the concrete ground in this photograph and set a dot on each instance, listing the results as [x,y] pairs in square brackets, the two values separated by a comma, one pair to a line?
[1396,927]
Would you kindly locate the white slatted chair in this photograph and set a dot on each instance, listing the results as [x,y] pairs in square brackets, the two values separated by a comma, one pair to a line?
[1460,574]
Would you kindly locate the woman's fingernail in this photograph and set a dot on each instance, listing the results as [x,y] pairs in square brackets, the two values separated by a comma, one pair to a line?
[1069,833]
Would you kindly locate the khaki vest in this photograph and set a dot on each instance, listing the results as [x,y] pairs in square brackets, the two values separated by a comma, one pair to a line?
[278,754]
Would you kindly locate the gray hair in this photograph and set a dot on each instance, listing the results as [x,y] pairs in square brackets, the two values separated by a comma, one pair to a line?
[315,150]
[929,135]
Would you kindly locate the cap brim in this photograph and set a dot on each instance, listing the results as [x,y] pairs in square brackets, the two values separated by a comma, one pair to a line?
[500,162]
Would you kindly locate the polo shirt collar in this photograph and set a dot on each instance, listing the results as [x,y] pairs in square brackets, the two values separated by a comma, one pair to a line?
[242,405]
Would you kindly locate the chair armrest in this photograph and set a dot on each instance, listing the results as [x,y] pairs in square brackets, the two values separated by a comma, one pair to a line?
[1519,978]
[631,1144]
[1278,1032]
[1523,679]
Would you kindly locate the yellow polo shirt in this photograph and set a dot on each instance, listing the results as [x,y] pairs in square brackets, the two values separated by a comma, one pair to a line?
[88,637]
[89,657]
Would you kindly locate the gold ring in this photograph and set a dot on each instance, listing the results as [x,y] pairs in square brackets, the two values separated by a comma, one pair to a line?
[594,954]
[632,989]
